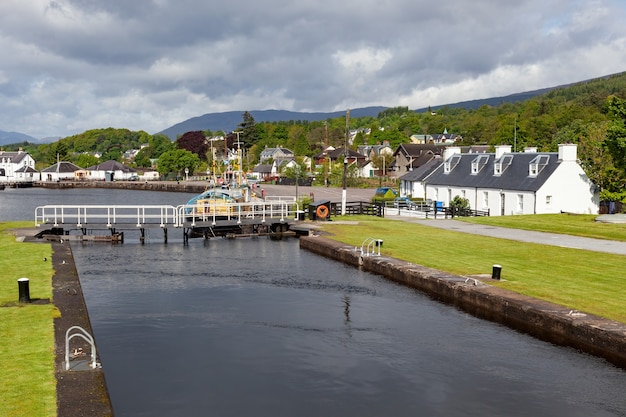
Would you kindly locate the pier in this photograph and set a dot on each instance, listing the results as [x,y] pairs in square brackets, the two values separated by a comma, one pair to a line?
[198,220]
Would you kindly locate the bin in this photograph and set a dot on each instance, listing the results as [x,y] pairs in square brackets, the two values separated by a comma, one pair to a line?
[319,210]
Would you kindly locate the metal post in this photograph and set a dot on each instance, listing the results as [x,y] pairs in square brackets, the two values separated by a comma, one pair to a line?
[24,290]
[345,166]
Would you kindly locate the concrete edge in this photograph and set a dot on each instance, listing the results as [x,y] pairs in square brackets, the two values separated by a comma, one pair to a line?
[79,392]
[546,321]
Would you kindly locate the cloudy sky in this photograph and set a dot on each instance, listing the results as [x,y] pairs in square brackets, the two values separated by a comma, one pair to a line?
[72,65]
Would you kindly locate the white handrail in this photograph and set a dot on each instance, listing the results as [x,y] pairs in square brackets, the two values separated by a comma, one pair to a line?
[85,336]
[80,215]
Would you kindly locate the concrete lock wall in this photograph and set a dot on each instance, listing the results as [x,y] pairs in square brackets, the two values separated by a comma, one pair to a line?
[546,321]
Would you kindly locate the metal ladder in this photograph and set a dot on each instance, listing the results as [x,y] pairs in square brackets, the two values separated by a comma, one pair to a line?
[83,334]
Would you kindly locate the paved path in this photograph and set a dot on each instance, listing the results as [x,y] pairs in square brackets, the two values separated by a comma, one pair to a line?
[565,241]
[365,194]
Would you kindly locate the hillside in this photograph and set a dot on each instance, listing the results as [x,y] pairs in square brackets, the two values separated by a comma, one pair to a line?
[228,121]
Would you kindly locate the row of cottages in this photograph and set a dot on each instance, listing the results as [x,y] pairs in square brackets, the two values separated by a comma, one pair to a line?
[505,182]
[17,167]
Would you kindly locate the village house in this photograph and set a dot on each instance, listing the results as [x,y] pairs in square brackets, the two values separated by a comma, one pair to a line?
[17,167]
[63,171]
[409,156]
[275,154]
[506,183]
[111,171]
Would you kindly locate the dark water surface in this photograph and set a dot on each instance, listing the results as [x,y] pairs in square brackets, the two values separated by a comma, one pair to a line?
[255,327]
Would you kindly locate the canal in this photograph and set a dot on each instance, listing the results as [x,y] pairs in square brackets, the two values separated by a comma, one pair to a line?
[232,327]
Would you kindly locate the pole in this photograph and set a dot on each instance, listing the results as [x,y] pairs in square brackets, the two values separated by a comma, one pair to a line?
[345,165]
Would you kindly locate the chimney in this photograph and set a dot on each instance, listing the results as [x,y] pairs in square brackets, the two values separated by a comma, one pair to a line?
[501,150]
[567,152]
[530,149]
[449,151]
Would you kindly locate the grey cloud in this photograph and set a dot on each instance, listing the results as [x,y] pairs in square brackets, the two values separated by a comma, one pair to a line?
[156,62]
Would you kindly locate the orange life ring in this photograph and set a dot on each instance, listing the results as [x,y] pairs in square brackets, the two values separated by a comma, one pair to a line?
[322,212]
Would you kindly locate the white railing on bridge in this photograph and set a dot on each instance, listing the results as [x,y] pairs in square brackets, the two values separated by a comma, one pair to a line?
[83,215]
[259,211]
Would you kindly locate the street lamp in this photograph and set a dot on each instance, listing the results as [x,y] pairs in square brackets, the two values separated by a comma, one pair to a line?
[345,165]
[186,174]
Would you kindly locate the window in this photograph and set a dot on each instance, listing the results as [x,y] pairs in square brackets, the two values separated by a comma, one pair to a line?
[520,203]
[548,200]
[537,165]
[485,199]
[478,163]
[502,164]
[450,163]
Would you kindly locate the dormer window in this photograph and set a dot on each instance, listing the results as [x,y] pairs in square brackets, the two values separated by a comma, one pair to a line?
[537,165]
[450,163]
[478,163]
[502,164]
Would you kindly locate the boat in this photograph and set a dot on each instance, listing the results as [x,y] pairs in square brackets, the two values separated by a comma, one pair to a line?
[219,201]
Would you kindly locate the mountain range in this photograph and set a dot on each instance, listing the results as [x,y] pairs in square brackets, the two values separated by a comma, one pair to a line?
[228,121]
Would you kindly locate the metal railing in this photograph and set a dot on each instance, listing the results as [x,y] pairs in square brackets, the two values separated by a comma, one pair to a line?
[214,211]
[371,247]
[111,216]
[83,334]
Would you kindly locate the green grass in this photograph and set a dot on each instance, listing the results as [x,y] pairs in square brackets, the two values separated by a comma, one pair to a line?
[581,280]
[569,224]
[27,332]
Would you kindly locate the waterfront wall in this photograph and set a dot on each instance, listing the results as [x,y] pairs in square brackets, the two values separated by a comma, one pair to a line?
[543,320]
[79,392]
[172,186]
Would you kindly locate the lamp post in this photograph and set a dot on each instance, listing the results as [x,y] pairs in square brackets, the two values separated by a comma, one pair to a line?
[345,166]
[186,174]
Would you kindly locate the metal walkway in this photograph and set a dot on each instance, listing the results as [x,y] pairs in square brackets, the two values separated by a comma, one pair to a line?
[194,220]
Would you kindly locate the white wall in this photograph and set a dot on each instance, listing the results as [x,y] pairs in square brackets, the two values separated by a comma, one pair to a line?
[578,197]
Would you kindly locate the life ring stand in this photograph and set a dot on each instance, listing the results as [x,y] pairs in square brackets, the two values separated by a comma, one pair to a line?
[322,212]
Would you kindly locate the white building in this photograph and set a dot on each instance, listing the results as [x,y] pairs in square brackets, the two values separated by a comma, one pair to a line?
[60,171]
[17,167]
[506,183]
[112,171]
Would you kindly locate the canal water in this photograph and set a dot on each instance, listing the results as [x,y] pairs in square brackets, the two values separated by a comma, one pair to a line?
[240,327]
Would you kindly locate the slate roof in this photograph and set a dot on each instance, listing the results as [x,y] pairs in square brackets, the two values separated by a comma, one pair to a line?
[514,176]
[25,169]
[62,167]
[111,165]
[413,149]
[422,171]
[262,168]
[16,157]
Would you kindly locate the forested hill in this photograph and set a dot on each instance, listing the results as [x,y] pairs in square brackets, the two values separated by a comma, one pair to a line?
[228,121]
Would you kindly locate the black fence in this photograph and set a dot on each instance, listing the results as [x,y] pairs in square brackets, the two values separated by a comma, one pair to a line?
[352,208]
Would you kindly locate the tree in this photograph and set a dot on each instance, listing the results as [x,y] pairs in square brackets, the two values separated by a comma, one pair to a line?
[247,130]
[194,142]
[85,160]
[616,134]
[175,161]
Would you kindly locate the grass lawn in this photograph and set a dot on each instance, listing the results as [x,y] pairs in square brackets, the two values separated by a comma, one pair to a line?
[581,280]
[27,344]
[570,224]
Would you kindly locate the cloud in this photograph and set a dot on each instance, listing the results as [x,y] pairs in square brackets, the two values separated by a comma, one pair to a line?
[74,65]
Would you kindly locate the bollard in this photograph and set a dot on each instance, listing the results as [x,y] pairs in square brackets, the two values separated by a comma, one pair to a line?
[24,291]
[495,273]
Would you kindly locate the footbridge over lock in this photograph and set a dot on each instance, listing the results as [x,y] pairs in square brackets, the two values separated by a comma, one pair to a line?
[209,219]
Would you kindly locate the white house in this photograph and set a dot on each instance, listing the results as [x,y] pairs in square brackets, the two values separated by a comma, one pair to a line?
[111,171]
[276,154]
[60,171]
[506,183]
[17,167]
